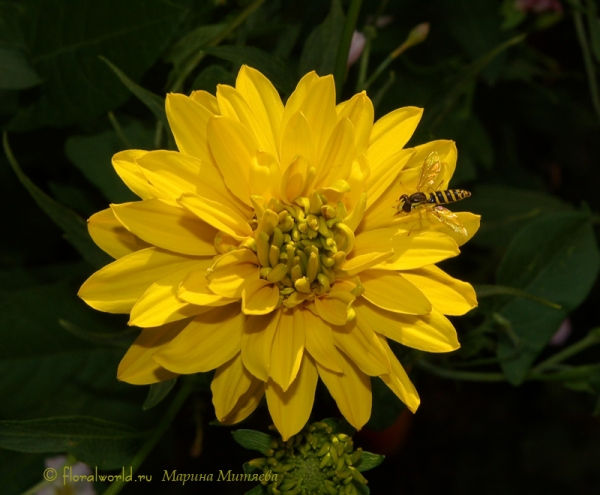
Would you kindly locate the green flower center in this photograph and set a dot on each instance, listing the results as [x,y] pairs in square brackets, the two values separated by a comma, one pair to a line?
[301,247]
[315,461]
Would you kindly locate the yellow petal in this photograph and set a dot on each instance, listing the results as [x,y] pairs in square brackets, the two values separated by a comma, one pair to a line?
[319,110]
[388,173]
[194,288]
[359,110]
[247,403]
[360,344]
[398,381]
[125,165]
[351,391]
[110,235]
[171,172]
[257,341]
[411,249]
[188,120]
[383,212]
[234,106]
[446,150]
[259,297]
[207,100]
[359,173]
[288,348]
[390,133]
[297,98]
[265,176]
[233,147]
[319,341]
[290,409]
[116,287]
[333,306]
[297,140]
[206,343]
[431,333]
[296,179]
[175,174]
[263,99]
[231,381]
[216,214]
[357,264]
[160,304]
[232,272]
[168,227]
[448,295]
[337,157]
[469,220]
[391,291]
[137,366]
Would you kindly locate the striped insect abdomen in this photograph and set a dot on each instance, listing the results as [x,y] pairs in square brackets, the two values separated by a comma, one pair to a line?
[447,196]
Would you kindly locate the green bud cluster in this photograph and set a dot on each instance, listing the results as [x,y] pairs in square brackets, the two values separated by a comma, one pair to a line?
[315,461]
[300,247]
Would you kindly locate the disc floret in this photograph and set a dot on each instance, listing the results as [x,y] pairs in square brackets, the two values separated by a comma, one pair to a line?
[300,247]
[314,461]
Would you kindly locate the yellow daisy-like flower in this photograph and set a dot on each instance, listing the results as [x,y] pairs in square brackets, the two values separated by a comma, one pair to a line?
[268,249]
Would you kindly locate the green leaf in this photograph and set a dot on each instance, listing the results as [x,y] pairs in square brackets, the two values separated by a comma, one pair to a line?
[502,290]
[66,38]
[15,70]
[368,461]
[105,444]
[257,490]
[505,210]
[74,227]
[274,68]
[122,339]
[253,440]
[321,47]
[187,48]
[74,197]
[475,25]
[65,375]
[92,155]
[555,258]
[157,392]
[361,489]
[386,406]
[208,79]
[155,103]
[594,28]
[339,425]
[19,471]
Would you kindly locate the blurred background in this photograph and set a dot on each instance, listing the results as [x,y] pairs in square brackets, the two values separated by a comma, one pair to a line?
[513,82]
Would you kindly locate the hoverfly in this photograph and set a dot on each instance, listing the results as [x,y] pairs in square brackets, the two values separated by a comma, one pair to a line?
[430,202]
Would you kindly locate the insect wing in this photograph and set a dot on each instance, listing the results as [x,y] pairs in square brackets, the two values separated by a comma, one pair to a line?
[448,218]
[432,166]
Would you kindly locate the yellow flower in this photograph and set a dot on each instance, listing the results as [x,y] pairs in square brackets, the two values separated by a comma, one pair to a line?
[268,248]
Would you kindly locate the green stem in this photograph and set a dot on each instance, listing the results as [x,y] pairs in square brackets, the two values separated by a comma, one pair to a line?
[234,24]
[157,433]
[470,376]
[384,89]
[119,130]
[588,341]
[364,64]
[158,131]
[587,57]
[341,61]
[382,66]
